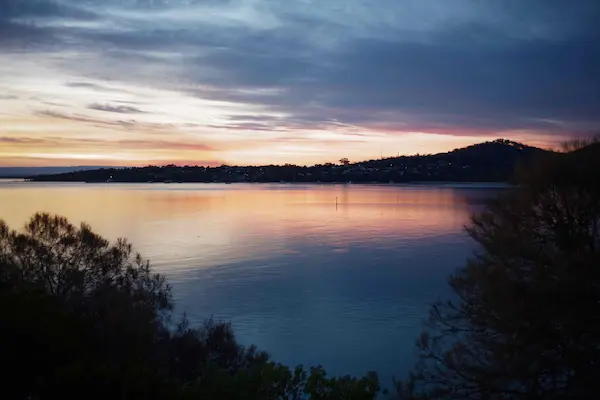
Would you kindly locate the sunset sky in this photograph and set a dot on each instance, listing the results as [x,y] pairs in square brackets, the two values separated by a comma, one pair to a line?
[137,82]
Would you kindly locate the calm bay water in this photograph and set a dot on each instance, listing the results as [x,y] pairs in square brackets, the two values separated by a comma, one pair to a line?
[343,285]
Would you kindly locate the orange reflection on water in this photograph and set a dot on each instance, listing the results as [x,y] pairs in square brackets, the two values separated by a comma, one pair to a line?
[198,225]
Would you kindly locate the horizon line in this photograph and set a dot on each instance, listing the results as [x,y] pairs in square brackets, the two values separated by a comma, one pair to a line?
[266,165]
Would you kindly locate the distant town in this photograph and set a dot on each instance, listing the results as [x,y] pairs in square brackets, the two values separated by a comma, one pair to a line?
[493,161]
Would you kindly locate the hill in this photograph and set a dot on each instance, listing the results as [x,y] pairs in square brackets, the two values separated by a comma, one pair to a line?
[485,162]
[588,153]
[493,161]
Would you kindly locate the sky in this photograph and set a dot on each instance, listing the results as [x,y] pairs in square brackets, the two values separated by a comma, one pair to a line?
[211,82]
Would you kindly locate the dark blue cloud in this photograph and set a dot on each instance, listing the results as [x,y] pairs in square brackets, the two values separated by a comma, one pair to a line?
[506,85]
[415,65]
[120,109]
[15,9]
[533,79]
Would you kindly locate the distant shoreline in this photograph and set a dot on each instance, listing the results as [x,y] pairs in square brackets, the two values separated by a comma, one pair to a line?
[489,184]
[489,162]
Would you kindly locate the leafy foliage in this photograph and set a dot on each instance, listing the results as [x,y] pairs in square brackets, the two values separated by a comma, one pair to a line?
[85,318]
[525,321]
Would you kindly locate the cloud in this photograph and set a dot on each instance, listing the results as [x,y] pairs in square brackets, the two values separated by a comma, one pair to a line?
[126,125]
[82,118]
[22,21]
[465,76]
[115,109]
[282,69]
[14,9]
[95,87]
[17,140]
[84,85]
[97,143]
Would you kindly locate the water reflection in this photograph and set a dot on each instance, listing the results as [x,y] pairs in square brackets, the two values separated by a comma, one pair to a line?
[337,275]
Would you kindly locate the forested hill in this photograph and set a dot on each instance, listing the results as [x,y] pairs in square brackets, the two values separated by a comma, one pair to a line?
[485,162]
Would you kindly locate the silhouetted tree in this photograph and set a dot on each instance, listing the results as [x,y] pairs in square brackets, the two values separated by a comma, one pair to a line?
[525,319]
[78,312]
[83,318]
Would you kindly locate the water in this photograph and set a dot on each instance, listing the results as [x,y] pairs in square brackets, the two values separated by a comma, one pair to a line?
[343,283]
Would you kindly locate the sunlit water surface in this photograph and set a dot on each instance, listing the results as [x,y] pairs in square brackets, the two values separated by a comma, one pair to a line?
[337,275]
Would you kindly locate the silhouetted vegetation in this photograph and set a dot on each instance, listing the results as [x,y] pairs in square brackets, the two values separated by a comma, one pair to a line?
[486,162]
[525,321]
[87,318]
[83,318]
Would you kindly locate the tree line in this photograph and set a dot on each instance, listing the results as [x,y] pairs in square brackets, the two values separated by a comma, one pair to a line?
[485,162]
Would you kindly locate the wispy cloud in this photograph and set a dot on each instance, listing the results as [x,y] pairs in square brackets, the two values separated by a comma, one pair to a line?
[85,119]
[115,108]
[18,140]
[67,142]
